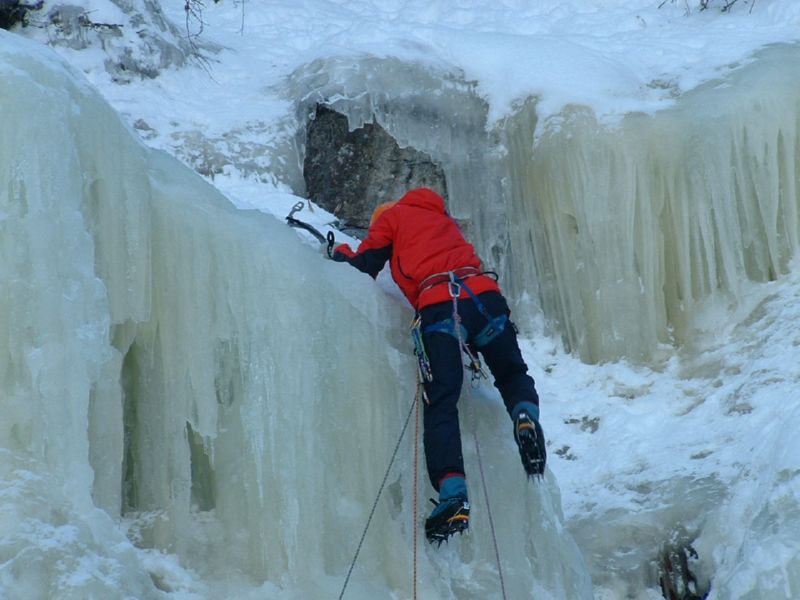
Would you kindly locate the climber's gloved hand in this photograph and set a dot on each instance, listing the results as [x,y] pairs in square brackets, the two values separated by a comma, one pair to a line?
[340,252]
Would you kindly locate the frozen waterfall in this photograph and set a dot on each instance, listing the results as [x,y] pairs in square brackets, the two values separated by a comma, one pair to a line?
[635,227]
[622,232]
[195,377]
[195,405]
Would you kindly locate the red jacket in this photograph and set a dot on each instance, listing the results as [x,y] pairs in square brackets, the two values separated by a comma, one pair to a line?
[420,239]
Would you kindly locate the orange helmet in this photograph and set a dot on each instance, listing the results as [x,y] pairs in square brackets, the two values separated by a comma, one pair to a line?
[381,208]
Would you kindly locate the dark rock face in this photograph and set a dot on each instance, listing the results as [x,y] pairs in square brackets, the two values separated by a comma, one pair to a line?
[349,173]
[675,572]
[14,12]
[139,44]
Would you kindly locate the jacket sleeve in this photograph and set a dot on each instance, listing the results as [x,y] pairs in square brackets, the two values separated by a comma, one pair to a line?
[372,253]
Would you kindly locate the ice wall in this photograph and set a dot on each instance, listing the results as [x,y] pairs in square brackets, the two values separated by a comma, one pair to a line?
[620,233]
[54,324]
[222,393]
[628,230]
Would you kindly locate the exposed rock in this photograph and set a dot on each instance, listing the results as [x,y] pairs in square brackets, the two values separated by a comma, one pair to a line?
[139,43]
[349,173]
[14,12]
[675,572]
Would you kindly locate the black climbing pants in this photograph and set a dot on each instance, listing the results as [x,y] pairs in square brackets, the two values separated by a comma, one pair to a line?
[442,436]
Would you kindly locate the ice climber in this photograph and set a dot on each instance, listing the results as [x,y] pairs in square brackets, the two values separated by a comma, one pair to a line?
[439,272]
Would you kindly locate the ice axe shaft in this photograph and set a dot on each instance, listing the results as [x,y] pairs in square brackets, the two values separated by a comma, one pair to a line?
[303,225]
[329,239]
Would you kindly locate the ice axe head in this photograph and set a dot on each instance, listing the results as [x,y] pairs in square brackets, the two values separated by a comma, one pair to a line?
[295,208]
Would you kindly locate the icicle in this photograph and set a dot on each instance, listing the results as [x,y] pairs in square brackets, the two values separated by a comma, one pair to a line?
[628,231]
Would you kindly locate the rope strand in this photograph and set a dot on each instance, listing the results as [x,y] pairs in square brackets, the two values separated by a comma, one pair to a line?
[489,513]
[377,497]
[416,480]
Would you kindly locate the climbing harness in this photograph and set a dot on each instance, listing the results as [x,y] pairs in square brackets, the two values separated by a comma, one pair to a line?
[377,497]
[452,326]
[454,287]
[494,325]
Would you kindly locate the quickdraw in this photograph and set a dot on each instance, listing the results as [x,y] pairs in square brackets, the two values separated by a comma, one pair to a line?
[454,287]
[423,363]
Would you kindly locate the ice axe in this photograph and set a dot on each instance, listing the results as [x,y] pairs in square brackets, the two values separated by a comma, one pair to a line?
[329,239]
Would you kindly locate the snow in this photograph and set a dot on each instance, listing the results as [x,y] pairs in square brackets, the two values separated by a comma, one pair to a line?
[615,55]
[697,444]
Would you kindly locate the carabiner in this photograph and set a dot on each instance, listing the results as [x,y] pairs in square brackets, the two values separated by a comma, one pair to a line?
[453,286]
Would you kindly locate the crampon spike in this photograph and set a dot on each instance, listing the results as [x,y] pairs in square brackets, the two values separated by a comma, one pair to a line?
[452,518]
[530,440]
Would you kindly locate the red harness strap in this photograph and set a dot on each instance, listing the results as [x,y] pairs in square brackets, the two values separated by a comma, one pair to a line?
[439,278]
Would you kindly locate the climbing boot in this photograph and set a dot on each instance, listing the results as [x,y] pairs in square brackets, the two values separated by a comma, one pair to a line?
[451,514]
[530,440]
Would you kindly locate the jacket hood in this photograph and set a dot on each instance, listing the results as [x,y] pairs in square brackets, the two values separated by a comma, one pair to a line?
[424,198]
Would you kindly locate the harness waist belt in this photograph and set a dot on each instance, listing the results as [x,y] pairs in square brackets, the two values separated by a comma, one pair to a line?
[439,278]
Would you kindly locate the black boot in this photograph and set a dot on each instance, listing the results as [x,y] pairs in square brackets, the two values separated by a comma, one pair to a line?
[451,514]
[449,517]
[530,440]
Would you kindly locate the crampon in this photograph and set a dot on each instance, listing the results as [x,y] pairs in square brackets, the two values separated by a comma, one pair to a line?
[449,517]
[530,439]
